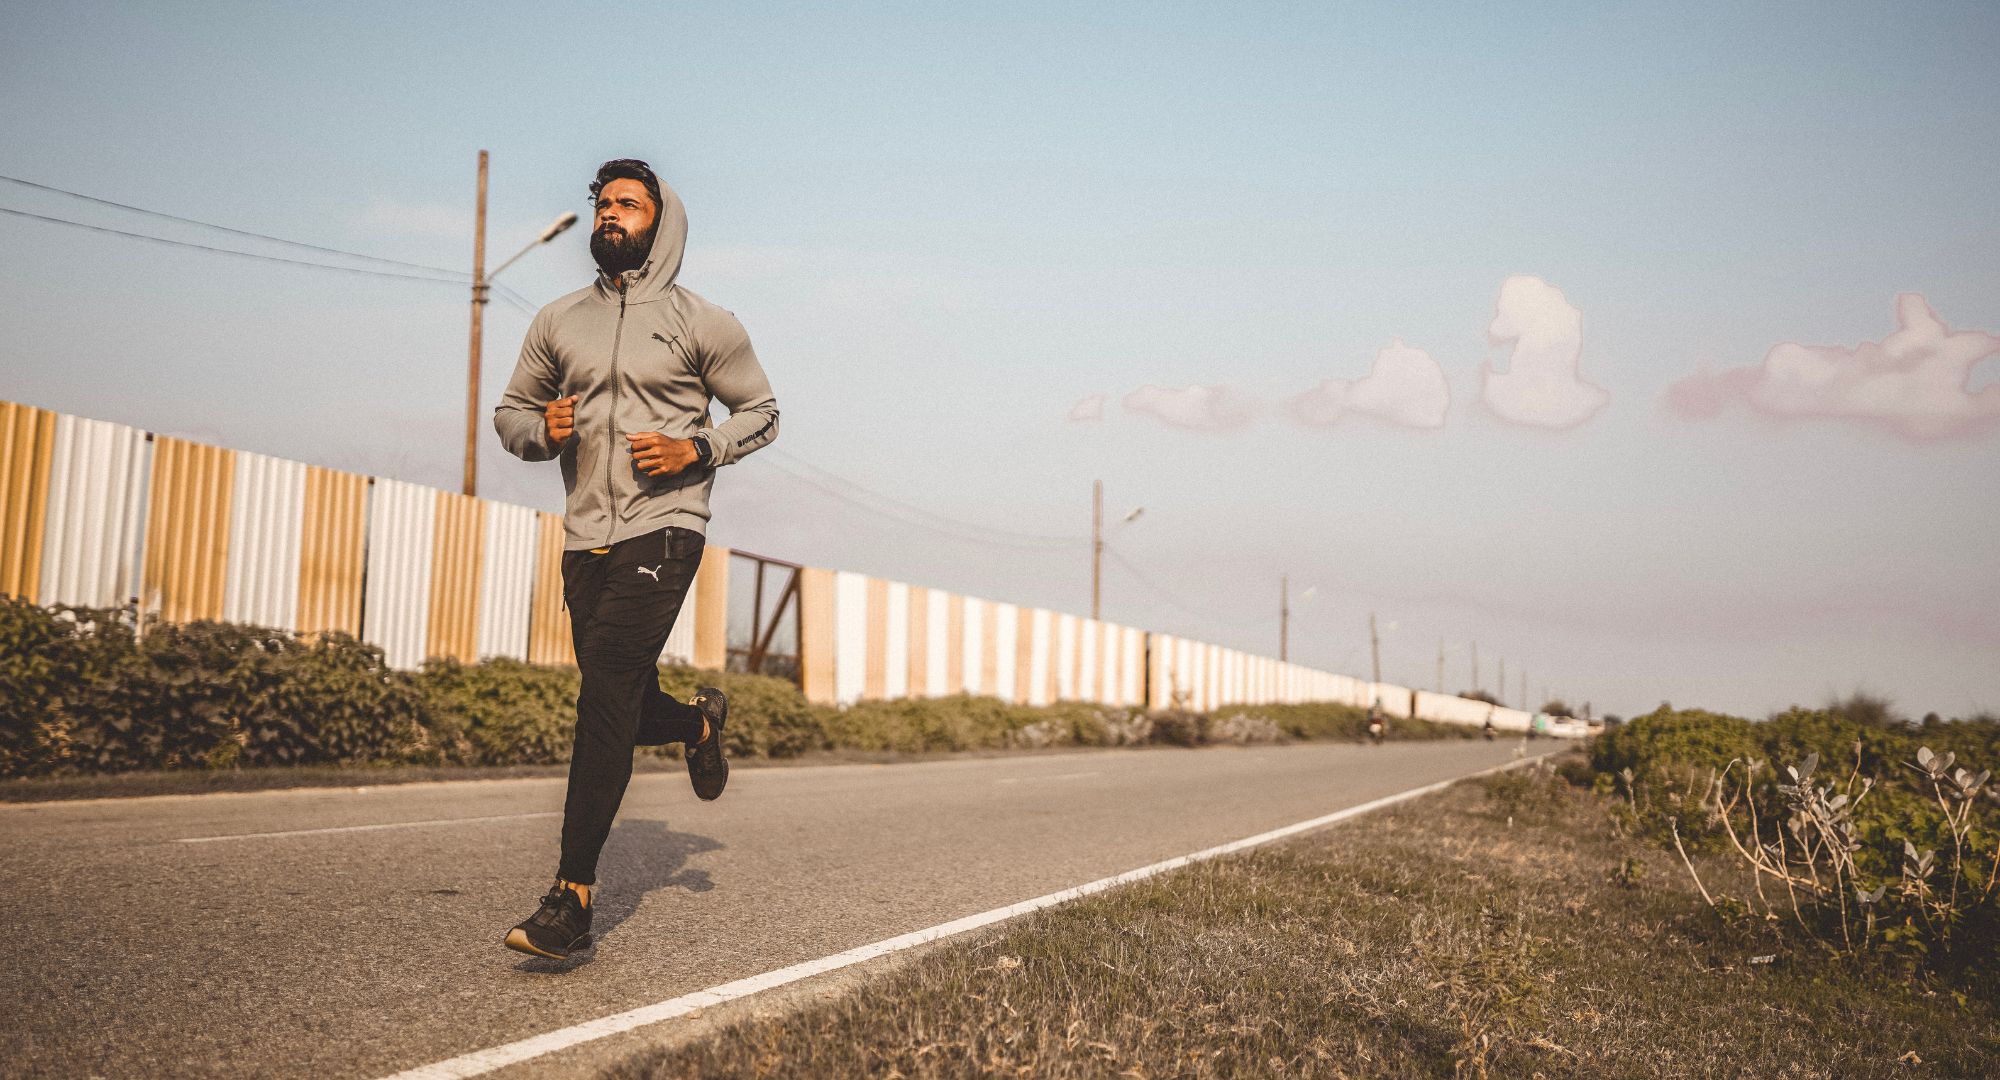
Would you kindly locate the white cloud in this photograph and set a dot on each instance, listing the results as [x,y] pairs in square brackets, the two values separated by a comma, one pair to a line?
[1916,382]
[1405,386]
[1541,387]
[1196,408]
[1087,410]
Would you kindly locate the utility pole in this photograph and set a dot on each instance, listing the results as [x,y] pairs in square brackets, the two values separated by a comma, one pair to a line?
[1096,545]
[1475,667]
[1375,647]
[478,309]
[1284,615]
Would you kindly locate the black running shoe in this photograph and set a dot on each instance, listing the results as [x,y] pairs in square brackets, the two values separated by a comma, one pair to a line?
[561,927]
[707,770]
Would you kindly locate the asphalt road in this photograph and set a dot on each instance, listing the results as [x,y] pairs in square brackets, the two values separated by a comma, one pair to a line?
[160,937]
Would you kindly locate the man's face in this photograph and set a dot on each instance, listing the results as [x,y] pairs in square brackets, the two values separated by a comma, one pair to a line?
[622,236]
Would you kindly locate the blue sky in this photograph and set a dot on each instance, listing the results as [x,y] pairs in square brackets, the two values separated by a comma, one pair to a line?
[946,229]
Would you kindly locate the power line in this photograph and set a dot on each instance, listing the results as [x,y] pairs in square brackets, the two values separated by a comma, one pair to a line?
[1157,589]
[982,532]
[226,251]
[229,229]
[522,303]
[956,530]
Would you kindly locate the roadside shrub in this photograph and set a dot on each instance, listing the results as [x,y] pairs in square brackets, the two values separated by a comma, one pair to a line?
[332,699]
[220,695]
[1865,833]
[185,696]
[42,662]
[1667,741]
[1905,867]
[961,722]
[1079,723]
[1534,794]
[1177,727]
[1665,762]
[498,712]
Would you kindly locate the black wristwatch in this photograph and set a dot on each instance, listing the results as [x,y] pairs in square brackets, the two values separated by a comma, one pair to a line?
[702,451]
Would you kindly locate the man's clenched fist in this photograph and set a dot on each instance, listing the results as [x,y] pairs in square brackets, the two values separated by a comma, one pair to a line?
[560,418]
[657,455]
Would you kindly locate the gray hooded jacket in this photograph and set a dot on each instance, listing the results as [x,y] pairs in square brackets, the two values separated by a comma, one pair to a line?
[648,358]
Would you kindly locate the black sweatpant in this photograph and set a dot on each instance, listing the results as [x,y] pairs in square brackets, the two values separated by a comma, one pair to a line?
[622,604]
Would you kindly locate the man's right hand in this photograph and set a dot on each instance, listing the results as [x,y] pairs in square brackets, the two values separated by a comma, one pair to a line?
[559,416]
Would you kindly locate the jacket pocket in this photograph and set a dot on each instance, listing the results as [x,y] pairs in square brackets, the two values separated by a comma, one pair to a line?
[683,543]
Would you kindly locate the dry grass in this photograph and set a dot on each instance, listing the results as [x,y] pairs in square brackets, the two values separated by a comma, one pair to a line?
[1430,940]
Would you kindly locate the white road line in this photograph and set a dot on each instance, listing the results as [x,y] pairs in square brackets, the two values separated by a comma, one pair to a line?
[362,828]
[497,1057]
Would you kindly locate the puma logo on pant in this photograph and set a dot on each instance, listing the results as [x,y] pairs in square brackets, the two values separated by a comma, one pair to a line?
[654,573]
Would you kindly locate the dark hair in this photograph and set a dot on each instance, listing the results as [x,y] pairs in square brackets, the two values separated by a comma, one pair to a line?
[627,169]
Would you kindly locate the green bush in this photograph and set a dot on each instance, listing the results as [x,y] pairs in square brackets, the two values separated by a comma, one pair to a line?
[1890,852]
[1533,795]
[499,712]
[961,722]
[46,659]
[216,695]
[1666,741]
[331,700]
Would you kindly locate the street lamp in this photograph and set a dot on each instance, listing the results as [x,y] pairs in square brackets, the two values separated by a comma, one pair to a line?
[480,278]
[554,230]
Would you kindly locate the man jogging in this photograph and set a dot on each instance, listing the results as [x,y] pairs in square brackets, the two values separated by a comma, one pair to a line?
[615,382]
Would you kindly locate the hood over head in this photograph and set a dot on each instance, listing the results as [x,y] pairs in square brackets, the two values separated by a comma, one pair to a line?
[655,278]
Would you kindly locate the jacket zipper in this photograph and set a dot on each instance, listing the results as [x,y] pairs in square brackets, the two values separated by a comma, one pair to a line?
[610,461]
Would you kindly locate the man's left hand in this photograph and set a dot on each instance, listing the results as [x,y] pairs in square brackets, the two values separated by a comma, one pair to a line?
[657,455]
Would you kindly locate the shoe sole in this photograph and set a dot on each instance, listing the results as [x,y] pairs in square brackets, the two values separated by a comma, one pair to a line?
[517,940]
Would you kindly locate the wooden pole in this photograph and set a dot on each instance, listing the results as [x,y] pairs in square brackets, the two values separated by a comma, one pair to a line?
[1284,617]
[1375,647]
[1096,548]
[478,309]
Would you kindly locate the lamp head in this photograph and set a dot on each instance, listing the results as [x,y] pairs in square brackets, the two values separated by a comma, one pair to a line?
[555,228]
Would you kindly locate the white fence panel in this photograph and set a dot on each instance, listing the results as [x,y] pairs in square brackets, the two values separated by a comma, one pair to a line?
[937,642]
[267,509]
[96,500]
[850,636]
[395,607]
[507,581]
[1006,628]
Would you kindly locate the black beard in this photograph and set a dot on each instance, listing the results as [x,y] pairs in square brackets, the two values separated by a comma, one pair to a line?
[617,253]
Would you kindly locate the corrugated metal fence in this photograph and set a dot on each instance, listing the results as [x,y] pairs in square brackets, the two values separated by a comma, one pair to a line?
[104,515]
